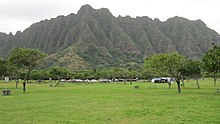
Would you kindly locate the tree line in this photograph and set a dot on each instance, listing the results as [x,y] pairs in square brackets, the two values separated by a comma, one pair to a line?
[179,67]
[22,63]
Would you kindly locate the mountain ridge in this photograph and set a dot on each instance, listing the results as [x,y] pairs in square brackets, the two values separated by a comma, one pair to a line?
[96,39]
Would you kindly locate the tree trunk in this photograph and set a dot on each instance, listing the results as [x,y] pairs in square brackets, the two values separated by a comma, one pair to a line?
[178,85]
[124,81]
[16,85]
[17,81]
[24,87]
[84,82]
[183,82]
[197,83]
[25,80]
[130,81]
[169,84]
[58,82]
[215,81]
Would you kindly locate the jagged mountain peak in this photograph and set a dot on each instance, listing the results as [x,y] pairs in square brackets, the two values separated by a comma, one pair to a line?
[85,10]
[95,38]
[104,11]
[177,20]
[157,19]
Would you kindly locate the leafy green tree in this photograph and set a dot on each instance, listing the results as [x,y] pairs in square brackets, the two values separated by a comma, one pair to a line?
[105,73]
[211,62]
[39,75]
[3,67]
[27,59]
[87,74]
[121,73]
[192,69]
[12,70]
[75,75]
[58,73]
[153,66]
[132,74]
[146,74]
[166,64]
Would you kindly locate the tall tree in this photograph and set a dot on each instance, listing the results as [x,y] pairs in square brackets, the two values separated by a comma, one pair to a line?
[211,62]
[58,73]
[27,59]
[192,69]
[168,64]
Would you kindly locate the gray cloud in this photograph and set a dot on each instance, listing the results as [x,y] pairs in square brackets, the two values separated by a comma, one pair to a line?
[28,11]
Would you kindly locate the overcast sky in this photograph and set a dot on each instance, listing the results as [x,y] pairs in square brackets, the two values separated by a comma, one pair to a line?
[17,15]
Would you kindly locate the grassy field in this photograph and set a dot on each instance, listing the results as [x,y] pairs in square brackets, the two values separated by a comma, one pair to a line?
[111,103]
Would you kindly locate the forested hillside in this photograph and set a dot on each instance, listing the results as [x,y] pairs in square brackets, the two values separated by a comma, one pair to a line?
[96,39]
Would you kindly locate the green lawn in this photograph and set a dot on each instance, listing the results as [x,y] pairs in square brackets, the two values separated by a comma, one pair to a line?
[111,103]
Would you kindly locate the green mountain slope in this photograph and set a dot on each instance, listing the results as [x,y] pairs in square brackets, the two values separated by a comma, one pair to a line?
[96,39]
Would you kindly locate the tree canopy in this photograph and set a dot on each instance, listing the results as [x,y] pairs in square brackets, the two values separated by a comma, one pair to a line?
[211,61]
[168,64]
[58,73]
[25,58]
[192,69]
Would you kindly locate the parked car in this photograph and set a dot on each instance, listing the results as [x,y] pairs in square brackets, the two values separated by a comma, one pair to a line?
[162,80]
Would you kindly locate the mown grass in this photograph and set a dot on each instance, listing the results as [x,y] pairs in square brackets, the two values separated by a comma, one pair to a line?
[111,103]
